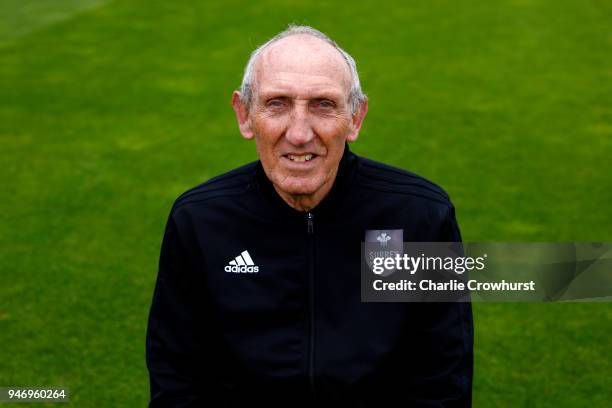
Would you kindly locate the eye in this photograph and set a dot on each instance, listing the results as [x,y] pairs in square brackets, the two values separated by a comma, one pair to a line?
[276,103]
[324,104]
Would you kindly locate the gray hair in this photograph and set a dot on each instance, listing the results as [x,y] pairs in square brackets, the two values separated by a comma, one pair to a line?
[356,96]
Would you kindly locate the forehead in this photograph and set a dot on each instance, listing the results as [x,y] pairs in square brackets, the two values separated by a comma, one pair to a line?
[302,64]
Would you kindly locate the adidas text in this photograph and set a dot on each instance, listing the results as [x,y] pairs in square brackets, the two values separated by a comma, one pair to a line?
[242,269]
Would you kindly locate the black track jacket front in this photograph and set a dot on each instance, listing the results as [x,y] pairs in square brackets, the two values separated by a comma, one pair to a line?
[257,304]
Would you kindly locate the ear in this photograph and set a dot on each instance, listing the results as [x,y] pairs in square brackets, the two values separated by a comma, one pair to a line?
[242,116]
[357,121]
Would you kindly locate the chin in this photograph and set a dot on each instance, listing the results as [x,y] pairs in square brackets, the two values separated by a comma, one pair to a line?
[298,187]
[298,190]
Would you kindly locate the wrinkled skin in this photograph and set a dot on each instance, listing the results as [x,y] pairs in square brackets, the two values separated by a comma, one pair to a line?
[300,117]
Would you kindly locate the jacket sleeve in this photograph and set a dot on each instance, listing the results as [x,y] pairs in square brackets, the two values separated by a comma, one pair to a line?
[449,229]
[173,338]
[443,344]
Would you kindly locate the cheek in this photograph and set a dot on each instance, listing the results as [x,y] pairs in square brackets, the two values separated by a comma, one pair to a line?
[333,128]
[333,139]
[269,128]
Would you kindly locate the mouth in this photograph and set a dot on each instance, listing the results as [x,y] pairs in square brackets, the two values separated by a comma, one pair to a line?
[300,158]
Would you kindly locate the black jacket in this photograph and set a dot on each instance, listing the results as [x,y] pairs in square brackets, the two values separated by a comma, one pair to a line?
[257,303]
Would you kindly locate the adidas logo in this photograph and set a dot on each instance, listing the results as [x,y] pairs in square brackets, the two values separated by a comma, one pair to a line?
[243,263]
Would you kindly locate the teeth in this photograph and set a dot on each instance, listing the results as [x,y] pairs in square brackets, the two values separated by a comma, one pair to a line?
[303,158]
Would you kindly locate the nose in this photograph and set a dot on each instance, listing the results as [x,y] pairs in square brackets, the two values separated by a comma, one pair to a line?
[299,131]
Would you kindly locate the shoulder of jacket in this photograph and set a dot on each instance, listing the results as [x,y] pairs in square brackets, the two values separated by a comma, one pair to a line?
[385,178]
[233,182]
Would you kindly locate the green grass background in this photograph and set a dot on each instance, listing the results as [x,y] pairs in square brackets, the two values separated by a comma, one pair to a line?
[110,109]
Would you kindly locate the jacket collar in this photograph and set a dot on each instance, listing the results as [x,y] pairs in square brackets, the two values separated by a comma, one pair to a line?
[330,204]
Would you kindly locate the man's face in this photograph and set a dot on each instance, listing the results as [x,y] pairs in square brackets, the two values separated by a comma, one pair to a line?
[300,116]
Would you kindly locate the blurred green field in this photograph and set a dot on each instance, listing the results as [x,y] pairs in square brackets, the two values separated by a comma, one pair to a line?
[110,109]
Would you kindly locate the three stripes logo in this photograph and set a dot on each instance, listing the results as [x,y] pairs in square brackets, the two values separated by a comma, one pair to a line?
[243,263]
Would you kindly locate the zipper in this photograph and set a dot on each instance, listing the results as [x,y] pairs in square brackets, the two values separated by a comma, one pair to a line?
[311,350]
[310,222]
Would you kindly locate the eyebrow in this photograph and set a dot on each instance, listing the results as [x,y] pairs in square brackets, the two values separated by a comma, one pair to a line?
[278,93]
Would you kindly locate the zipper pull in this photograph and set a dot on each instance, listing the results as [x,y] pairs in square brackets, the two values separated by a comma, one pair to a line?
[309,219]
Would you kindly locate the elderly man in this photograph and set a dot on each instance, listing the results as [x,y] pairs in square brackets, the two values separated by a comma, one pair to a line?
[258,293]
